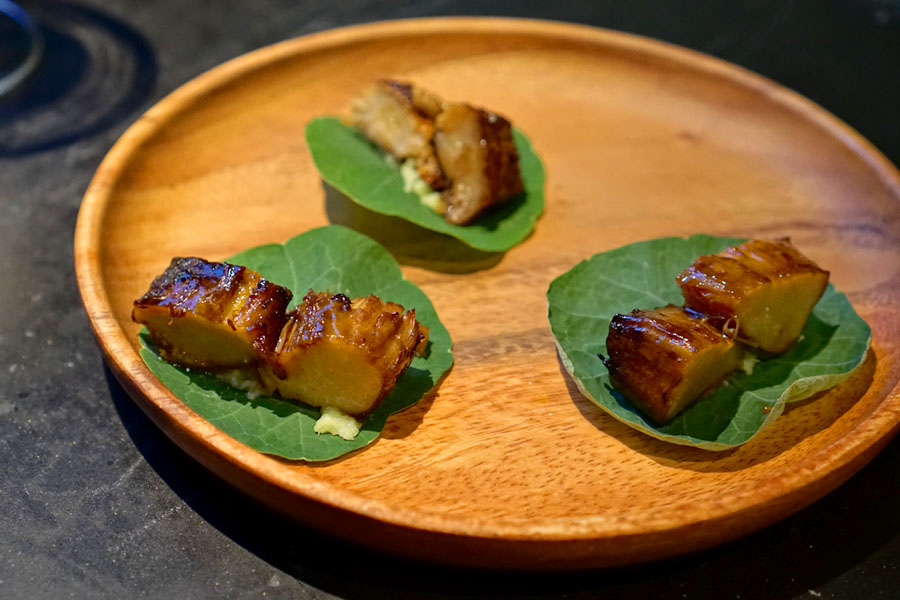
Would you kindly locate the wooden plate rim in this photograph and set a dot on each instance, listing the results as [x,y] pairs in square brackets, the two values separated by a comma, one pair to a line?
[830,463]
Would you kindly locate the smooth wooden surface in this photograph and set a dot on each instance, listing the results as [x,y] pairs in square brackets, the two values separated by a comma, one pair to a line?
[506,464]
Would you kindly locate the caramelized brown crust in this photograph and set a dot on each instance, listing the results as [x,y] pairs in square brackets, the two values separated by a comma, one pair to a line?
[422,346]
[424,102]
[366,342]
[387,333]
[715,285]
[329,351]
[193,285]
[761,291]
[478,156]
[664,359]
[212,315]
[399,117]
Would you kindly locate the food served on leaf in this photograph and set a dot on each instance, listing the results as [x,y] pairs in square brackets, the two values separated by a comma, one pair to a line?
[465,152]
[234,400]
[342,353]
[399,117]
[582,302]
[330,351]
[664,359]
[760,292]
[475,148]
[212,316]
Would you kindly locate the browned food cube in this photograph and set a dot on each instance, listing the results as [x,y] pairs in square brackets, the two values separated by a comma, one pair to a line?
[476,151]
[760,292]
[342,353]
[665,359]
[211,315]
[399,117]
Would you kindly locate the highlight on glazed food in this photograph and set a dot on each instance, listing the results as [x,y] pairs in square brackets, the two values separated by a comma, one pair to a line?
[667,355]
[461,160]
[664,359]
[330,351]
[347,354]
[758,294]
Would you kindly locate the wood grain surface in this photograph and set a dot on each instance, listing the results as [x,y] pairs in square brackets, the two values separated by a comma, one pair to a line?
[505,464]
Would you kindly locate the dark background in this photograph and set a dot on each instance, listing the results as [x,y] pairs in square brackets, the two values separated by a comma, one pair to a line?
[95,502]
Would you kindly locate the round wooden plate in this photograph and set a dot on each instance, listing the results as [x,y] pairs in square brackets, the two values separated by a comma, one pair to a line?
[505,464]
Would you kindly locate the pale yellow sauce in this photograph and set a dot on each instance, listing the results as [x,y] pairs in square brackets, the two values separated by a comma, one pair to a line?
[414,184]
[337,423]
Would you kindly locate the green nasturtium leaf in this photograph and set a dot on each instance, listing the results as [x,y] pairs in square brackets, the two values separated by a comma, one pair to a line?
[642,275]
[338,260]
[358,169]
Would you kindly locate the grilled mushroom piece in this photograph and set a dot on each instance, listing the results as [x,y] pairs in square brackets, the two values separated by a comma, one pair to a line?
[347,354]
[212,316]
[761,292]
[476,151]
[399,117]
[665,359]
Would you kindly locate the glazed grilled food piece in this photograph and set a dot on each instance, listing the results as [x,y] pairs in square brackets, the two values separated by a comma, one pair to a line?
[476,151]
[760,292]
[342,353]
[467,152]
[665,359]
[212,316]
[328,351]
[399,117]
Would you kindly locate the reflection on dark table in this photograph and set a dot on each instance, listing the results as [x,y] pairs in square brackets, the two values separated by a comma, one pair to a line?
[97,503]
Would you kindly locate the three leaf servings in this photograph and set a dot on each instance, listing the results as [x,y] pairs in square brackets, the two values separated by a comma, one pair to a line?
[581,302]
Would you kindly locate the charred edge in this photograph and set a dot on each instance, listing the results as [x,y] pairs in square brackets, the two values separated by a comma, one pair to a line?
[190,282]
[501,157]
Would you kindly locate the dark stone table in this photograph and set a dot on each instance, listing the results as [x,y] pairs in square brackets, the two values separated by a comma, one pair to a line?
[97,503]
